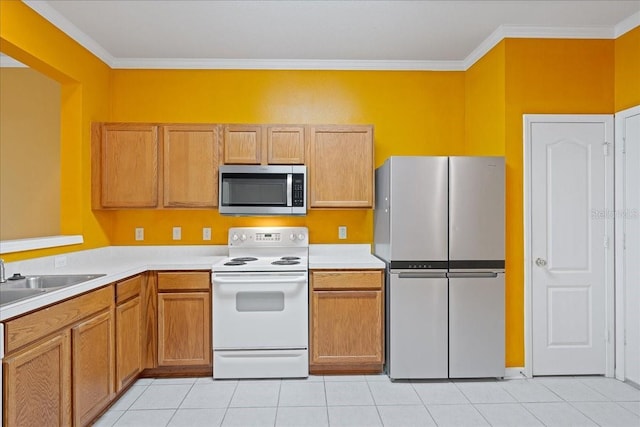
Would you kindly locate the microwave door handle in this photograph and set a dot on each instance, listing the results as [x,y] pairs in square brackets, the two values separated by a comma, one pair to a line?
[289,189]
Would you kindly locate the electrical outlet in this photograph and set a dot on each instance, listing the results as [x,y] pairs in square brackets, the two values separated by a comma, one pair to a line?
[177,233]
[139,233]
[342,232]
[206,233]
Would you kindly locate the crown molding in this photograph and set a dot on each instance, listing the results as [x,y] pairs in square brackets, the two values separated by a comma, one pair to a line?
[535,32]
[286,64]
[627,25]
[502,32]
[50,14]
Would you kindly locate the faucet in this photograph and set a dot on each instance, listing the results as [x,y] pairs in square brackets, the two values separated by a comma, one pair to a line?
[2,275]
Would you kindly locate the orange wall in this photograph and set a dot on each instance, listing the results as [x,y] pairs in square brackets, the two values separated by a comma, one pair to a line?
[543,77]
[417,113]
[526,76]
[627,70]
[32,40]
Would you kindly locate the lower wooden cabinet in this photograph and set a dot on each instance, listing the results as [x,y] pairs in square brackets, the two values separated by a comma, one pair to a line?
[93,366]
[37,384]
[65,363]
[346,321]
[184,318]
[129,330]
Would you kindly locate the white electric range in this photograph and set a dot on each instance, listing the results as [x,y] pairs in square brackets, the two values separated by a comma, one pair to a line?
[260,304]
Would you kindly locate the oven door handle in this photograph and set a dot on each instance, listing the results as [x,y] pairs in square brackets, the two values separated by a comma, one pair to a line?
[250,281]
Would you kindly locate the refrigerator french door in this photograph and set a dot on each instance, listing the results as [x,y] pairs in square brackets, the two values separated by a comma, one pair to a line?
[411,236]
[476,267]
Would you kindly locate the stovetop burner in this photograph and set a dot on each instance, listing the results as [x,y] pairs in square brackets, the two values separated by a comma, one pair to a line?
[290,258]
[235,263]
[244,259]
[285,262]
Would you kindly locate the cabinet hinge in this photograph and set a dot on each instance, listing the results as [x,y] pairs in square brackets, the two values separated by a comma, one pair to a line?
[605,148]
[624,145]
[606,242]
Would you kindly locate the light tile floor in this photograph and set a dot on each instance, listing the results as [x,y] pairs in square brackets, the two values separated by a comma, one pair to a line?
[373,400]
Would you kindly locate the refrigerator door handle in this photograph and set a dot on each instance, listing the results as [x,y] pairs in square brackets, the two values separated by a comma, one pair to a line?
[421,275]
[471,275]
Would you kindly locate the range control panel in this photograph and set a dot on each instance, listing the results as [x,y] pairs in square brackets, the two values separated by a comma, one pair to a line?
[268,236]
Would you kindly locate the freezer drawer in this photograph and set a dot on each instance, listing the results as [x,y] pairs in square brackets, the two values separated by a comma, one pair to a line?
[476,325]
[417,325]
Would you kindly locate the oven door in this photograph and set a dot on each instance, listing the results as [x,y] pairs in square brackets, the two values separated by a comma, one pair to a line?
[265,310]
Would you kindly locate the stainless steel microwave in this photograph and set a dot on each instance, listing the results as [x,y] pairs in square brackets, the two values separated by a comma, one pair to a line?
[262,190]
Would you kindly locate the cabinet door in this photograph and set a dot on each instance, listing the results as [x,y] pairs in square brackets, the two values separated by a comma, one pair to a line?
[341,167]
[190,159]
[346,327]
[128,342]
[129,165]
[242,144]
[184,328]
[285,145]
[37,384]
[93,366]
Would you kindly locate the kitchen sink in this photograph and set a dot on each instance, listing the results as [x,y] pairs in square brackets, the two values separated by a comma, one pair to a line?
[12,295]
[52,281]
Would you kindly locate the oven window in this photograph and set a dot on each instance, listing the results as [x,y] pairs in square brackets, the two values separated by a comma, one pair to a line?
[260,301]
[254,189]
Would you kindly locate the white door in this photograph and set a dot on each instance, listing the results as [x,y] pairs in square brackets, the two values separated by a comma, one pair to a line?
[628,243]
[571,190]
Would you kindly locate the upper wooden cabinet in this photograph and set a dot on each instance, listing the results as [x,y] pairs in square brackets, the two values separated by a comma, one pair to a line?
[341,168]
[264,144]
[125,163]
[190,159]
[126,172]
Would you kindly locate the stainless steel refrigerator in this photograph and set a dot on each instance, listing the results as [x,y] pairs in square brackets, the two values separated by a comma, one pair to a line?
[439,226]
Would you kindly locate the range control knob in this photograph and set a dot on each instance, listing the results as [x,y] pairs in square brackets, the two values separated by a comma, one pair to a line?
[292,237]
[235,237]
[243,237]
[300,236]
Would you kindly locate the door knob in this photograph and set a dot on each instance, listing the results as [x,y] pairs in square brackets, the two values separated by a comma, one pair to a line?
[540,262]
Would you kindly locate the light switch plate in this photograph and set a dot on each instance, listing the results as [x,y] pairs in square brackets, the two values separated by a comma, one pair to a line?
[139,233]
[177,233]
[342,232]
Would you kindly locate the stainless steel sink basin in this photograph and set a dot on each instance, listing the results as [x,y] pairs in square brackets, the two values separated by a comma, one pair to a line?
[53,281]
[12,295]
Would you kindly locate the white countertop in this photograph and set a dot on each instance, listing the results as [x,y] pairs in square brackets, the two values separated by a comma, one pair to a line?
[120,262]
[343,257]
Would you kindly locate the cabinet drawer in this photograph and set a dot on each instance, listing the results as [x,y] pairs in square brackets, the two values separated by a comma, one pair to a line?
[38,324]
[346,279]
[181,280]
[128,288]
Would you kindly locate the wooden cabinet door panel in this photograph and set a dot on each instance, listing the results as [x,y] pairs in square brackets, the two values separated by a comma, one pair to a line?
[129,163]
[346,327]
[285,145]
[128,342]
[341,167]
[242,144]
[37,384]
[93,366]
[184,280]
[184,332]
[190,159]
[347,279]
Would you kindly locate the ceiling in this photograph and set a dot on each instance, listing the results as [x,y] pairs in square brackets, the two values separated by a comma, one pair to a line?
[324,34]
